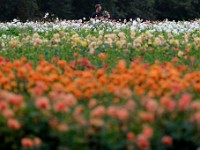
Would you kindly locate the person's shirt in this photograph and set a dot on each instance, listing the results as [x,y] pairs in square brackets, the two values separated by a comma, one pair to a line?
[97,15]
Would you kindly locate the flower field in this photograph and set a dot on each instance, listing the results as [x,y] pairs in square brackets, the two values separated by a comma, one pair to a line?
[100,85]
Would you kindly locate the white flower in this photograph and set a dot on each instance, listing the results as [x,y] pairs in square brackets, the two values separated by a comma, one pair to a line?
[46,15]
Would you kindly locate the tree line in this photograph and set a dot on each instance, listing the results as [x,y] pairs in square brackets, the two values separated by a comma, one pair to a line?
[119,9]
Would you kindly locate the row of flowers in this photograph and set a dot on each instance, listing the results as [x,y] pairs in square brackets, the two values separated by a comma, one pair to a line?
[138,25]
[123,44]
[82,79]
[152,40]
[119,40]
[143,106]
[142,123]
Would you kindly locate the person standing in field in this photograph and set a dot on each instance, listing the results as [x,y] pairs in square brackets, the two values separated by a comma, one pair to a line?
[98,14]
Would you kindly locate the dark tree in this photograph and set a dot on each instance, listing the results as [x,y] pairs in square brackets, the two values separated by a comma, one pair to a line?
[176,9]
[28,10]
[8,9]
[83,8]
[141,8]
[61,8]
[77,9]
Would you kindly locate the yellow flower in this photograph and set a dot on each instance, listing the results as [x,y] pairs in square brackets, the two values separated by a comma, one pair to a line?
[99,42]
[189,46]
[77,39]
[84,43]
[118,43]
[56,36]
[180,54]
[133,34]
